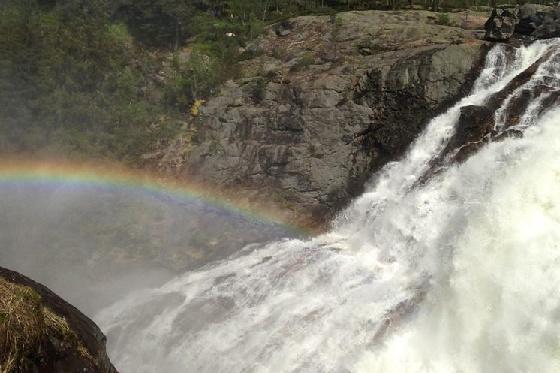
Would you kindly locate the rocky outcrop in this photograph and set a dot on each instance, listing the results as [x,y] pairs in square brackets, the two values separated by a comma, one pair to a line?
[326,103]
[530,16]
[532,20]
[501,24]
[546,22]
[40,332]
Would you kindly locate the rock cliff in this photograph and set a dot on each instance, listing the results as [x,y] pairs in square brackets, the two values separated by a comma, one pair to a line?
[40,332]
[324,103]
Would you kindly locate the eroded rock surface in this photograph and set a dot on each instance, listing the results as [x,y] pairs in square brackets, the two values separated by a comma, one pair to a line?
[326,103]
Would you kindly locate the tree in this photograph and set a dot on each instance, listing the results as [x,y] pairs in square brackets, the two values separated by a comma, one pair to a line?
[159,22]
[435,5]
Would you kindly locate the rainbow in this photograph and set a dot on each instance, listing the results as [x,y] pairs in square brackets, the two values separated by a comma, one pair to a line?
[18,173]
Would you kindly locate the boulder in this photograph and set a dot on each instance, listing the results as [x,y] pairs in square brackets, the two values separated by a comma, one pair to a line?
[536,21]
[549,27]
[530,17]
[501,24]
[283,28]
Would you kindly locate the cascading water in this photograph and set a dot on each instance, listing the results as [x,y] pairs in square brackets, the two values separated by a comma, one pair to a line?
[458,273]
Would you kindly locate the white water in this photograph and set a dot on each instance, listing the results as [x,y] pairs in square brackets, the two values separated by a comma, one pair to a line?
[460,274]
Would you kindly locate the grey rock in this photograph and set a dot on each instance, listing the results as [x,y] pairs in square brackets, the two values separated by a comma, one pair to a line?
[536,21]
[501,24]
[315,137]
[283,28]
[318,142]
[550,25]
[365,51]
[530,16]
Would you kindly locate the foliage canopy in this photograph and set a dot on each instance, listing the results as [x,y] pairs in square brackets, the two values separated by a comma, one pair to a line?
[112,78]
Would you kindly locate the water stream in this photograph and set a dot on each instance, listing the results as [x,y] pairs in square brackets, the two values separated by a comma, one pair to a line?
[459,273]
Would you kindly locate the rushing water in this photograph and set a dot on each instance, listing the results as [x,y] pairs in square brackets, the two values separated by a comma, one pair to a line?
[459,273]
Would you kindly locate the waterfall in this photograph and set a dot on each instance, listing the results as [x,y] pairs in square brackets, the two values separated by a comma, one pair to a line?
[457,272]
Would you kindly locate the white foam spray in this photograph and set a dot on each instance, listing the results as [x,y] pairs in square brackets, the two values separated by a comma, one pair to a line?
[459,274]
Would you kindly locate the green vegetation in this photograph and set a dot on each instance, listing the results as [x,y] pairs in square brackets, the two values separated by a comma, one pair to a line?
[337,25]
[71,83]
[443,19]
[21,325]
[79,78]
[303,63]
[112,79]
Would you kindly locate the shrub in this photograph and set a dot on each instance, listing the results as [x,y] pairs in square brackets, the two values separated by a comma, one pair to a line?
[443,19]
[303,63]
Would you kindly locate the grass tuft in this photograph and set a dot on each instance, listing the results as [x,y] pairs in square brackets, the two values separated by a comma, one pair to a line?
[26,324]
[22,326]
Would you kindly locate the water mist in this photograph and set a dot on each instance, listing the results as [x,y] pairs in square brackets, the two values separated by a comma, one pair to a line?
[456,273]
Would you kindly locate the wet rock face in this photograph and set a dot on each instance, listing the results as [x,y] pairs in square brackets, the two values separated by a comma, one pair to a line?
[404,96]
[479,124]
[67,342]
[475,124]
